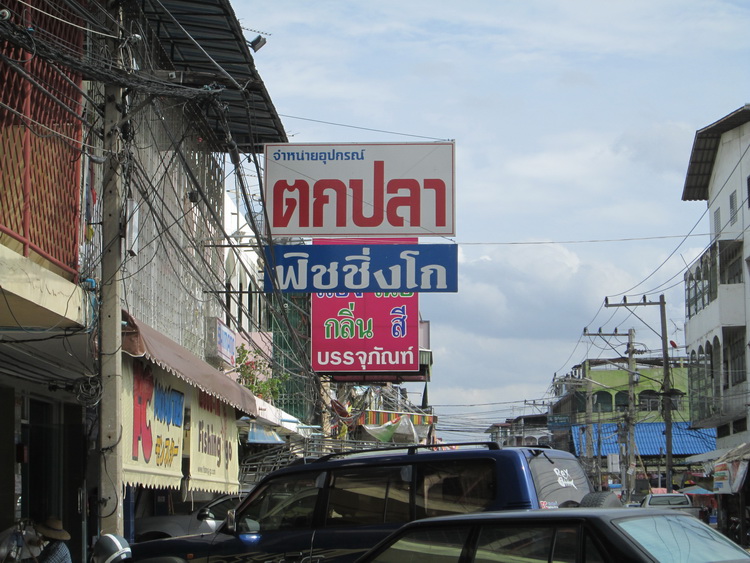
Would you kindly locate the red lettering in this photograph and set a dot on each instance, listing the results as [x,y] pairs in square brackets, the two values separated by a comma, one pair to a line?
[284,207]
[143,392]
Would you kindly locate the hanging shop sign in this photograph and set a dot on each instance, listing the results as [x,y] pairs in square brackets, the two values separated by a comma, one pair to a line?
[362,268]
[729,475]
[387,189]
[214,464]
[153,419]
[365,332]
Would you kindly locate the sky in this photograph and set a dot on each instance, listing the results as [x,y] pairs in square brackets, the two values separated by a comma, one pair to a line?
[573,123]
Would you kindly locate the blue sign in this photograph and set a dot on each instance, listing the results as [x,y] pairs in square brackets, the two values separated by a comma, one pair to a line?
[392,268]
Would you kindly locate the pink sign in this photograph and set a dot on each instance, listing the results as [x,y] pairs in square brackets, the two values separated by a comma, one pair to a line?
[365,332]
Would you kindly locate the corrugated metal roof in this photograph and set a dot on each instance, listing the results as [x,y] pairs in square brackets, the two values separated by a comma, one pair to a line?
[202,37]
[649,439]
[703,155]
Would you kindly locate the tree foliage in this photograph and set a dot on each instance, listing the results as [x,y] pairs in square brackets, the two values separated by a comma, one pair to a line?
[255,373]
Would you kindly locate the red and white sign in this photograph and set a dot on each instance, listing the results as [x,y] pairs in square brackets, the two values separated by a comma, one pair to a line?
[386,189]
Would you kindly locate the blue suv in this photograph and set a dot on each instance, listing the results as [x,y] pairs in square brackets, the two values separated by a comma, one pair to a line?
[337,507]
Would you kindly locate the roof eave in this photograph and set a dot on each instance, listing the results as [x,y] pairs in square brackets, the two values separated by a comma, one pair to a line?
[703,154]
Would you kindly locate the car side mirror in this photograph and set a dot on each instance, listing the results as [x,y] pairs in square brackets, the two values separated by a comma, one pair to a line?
[230,522]
[205,514]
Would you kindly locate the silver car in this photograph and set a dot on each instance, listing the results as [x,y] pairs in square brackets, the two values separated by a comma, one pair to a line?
[205,519]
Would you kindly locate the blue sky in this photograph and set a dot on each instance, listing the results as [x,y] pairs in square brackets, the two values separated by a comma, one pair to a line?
[573,123]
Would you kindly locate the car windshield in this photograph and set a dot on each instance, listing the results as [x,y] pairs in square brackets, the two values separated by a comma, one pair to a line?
[559,482]
[680,539]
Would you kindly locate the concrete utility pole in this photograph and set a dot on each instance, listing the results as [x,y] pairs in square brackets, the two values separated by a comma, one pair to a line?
[666,398]
[631,471]
[627,465]
[589,419]
[110,414]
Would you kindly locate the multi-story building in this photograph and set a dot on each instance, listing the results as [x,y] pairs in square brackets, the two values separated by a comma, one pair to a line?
[717,301]
[717,296]
[137,100]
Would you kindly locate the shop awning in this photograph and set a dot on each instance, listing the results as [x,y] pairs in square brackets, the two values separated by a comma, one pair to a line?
[141,341]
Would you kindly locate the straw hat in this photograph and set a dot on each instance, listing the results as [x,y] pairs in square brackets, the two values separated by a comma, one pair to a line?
[53,529]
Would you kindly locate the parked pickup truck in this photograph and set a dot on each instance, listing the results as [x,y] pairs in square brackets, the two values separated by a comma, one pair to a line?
[678,501]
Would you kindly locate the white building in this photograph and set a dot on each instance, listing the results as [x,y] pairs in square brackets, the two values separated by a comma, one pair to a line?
[717,296]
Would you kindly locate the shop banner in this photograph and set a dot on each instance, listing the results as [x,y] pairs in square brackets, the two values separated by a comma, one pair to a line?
[214,440]
[344,268]
[153,416]
[729,476]
[385,189]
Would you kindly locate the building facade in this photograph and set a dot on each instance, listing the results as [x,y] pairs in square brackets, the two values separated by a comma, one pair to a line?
[120,109]
[716,293]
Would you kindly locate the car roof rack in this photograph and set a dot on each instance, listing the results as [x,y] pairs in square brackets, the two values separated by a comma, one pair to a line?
[408,449]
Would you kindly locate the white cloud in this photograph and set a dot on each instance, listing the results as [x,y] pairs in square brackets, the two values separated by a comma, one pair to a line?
[573,121]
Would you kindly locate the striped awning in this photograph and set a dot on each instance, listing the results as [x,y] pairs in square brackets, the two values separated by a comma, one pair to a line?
[381,417]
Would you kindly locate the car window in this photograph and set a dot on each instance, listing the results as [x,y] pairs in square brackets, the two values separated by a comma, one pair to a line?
[676,500]
[559,482]
[680,539]
[364,496]
[514,543]
[591,551]
[219,509]
[455,487]
[282,504]
[436,545]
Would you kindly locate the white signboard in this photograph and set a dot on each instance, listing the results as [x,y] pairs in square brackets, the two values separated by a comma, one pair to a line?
[387,189]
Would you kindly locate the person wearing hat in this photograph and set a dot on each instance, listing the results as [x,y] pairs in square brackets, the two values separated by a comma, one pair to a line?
[55,551]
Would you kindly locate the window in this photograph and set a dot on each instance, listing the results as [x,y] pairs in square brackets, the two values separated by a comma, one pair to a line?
[539,542]
[717,222]
[733,207]
[739,425]
[365,496]
[457,487]
[438,545]
[559,484]
[514,543]
[621,401]
[648,400]
[283,504]
[602,401]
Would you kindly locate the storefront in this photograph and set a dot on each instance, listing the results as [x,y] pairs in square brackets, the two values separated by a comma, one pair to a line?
[179,422]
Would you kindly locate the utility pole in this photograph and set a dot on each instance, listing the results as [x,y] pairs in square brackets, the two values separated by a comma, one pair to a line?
[666,382]
[627,444]
[631,416]
[110,414]
[666,397]
[589,419]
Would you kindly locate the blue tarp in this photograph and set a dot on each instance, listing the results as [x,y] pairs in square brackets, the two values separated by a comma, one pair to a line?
[649,439]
